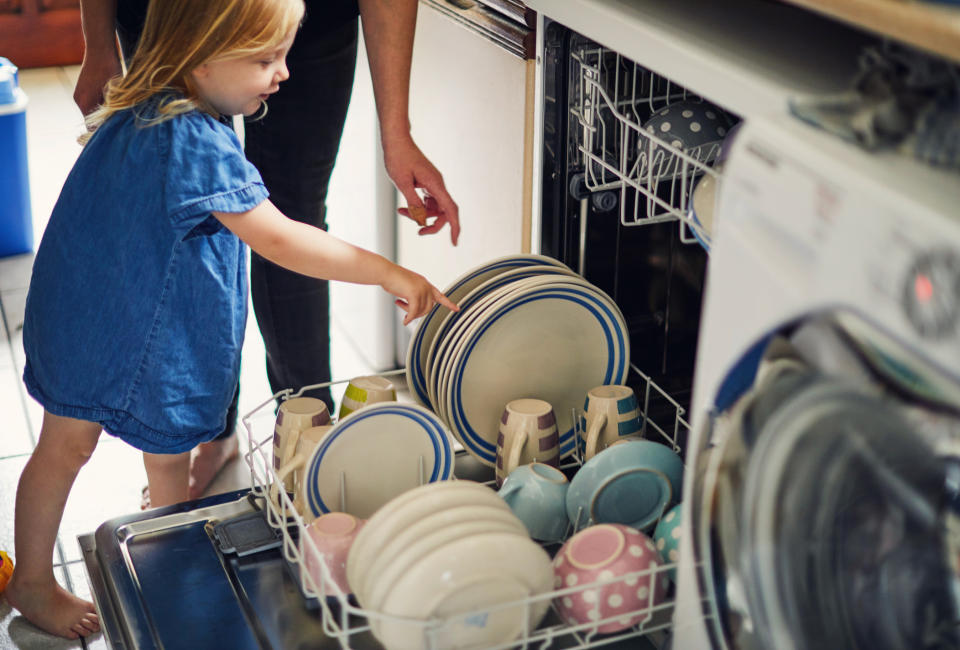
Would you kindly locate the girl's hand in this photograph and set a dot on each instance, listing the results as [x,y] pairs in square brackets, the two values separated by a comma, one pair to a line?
[414,294]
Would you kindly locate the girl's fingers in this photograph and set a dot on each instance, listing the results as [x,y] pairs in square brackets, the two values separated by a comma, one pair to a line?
[442,299]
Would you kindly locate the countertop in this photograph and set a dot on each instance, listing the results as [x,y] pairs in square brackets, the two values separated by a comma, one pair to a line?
[930,26]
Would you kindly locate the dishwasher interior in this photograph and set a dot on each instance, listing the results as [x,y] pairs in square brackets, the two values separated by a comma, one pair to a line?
[616,198]
[615,203]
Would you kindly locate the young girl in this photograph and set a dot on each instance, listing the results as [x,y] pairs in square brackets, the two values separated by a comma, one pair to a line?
[137,305]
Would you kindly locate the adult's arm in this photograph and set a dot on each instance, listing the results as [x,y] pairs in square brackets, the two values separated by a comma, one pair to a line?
[388,30]
[101,58]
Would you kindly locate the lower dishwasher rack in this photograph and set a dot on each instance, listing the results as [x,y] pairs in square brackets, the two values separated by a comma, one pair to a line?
[344,621]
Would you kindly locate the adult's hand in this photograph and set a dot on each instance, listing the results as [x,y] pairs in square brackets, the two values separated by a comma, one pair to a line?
[101,59]
[410,170]
[95,71]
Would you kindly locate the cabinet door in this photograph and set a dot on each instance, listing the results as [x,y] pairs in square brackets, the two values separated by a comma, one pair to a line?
[38,33]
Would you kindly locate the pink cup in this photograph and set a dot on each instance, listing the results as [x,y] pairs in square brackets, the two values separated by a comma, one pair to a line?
[600,554]
[332,534]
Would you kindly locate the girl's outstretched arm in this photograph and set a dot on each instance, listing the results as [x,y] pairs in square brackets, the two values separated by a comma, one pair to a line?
[311,251]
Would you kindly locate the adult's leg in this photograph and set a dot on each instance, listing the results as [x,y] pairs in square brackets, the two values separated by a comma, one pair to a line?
[65,445]
[294,147]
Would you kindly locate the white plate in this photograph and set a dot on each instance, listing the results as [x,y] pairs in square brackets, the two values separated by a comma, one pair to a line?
[460,287]
[444,346]
[553,344]
[376,454]
[475,298]
[606,322]
[403,511]
[440,382]
[479,572]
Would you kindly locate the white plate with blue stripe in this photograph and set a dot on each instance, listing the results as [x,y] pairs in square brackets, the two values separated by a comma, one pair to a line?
[459,288]
[473,304]
[550,343]
[439,378]
[375,454]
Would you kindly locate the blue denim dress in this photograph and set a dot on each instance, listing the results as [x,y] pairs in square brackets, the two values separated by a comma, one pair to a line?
[137,305]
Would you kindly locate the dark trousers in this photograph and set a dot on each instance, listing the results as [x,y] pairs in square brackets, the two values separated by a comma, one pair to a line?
[294,148]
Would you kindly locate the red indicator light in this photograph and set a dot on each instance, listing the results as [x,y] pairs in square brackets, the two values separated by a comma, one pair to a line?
[923,288]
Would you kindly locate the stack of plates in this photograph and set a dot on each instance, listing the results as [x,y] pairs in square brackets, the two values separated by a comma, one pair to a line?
[451,553]
[528,327]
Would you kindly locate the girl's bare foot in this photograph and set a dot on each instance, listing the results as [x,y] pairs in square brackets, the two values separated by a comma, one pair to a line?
[206,462]
[53,609]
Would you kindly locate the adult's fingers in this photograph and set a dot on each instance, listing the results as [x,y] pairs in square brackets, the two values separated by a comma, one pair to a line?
[449,212]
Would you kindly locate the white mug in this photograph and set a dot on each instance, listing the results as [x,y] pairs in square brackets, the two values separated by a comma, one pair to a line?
[293,470]
[293,416]
[528,433]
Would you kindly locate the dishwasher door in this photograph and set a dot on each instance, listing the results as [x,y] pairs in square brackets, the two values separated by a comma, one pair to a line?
[160,580]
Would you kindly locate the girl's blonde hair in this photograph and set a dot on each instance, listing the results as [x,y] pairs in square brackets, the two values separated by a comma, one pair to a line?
[180,35]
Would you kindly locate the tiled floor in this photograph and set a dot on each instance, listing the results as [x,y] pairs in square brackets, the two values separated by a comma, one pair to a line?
[53,124]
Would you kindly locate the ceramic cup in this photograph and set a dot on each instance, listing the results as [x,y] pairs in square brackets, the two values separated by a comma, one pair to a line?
[633,483]
[666,537]
[332,535]
[609,574]
[363,391]
[611,413]
[293,416]
[537,494]
[292,470]
[528,433]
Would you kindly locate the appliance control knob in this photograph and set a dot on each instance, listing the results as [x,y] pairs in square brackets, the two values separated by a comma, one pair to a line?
[931,293]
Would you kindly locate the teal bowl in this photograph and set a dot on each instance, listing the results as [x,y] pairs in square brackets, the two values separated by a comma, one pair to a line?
[632,483]
[666,537]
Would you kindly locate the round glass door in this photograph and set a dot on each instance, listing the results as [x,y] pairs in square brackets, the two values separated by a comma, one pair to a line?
[824,509]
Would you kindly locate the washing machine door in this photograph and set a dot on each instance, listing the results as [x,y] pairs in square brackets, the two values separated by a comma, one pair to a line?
[822,521]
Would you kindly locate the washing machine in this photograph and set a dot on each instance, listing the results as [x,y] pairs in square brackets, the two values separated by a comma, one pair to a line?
[822,487]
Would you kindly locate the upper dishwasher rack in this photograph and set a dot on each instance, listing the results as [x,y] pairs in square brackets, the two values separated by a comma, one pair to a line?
[611,97]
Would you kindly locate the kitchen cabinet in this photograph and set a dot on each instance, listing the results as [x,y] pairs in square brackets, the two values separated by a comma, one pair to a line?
[38,33]
[471,112]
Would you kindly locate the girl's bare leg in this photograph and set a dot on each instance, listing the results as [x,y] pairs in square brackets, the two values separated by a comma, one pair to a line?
[168,476]
[64,447]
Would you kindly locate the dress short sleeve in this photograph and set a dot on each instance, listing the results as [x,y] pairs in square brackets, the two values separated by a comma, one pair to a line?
[207,171]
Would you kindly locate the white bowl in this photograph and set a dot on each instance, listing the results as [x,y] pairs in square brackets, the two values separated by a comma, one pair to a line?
[407,508]
[455,519]
[462,584]
[379,585]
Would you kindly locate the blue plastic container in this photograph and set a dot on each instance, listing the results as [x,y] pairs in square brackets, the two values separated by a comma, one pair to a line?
[16,223]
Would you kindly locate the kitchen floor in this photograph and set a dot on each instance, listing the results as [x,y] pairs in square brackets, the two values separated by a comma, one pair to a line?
[110,484]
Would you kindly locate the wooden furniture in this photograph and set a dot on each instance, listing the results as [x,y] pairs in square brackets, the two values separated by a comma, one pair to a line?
[39,33]
[931,27]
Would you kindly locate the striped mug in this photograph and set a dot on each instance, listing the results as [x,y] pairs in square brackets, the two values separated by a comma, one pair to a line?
[612,414]
[528,433]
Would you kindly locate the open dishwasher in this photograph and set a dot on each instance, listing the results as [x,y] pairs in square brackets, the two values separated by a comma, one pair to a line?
[226,571]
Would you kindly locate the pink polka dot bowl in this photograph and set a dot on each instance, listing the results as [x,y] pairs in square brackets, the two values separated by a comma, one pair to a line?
[608,574]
